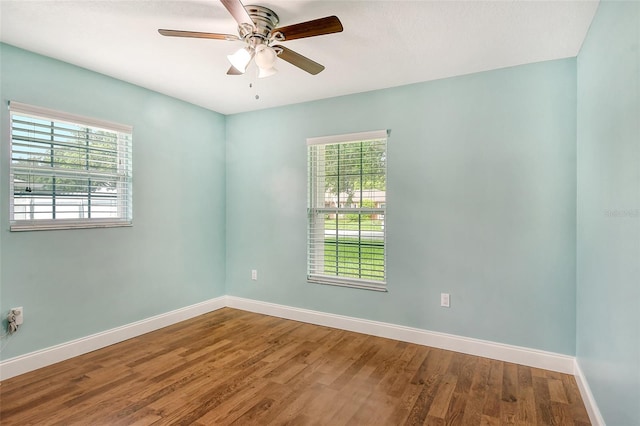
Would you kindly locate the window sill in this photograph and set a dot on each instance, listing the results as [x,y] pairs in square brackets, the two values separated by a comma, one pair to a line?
[359,284]
[31,226]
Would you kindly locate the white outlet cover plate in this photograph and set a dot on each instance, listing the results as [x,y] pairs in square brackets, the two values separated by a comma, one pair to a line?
[19,316]
[444,300]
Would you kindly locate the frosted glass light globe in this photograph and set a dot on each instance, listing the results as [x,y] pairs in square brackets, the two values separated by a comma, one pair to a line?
[265,57]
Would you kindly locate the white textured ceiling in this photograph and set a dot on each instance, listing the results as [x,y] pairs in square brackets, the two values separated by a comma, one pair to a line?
[384,43]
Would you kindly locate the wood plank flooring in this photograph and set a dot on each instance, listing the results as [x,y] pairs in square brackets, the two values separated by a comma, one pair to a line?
[236,367]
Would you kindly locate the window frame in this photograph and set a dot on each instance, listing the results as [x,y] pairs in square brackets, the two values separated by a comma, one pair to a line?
[316,208]
[123,175]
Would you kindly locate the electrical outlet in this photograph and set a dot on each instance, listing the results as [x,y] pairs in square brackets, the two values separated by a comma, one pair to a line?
[19,315]
[254,274]
[444,300]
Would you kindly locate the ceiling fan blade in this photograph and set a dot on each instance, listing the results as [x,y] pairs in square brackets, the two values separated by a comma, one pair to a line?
[237,10]
[328,25]
[195,34]
[299,61]
[234,71]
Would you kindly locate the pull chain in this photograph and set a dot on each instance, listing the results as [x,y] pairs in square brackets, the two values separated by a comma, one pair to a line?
[256,90]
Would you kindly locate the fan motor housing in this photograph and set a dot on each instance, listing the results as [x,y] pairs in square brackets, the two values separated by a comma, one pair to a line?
[265,21]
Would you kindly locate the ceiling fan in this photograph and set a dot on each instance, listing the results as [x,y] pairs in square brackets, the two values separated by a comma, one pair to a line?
[257,28]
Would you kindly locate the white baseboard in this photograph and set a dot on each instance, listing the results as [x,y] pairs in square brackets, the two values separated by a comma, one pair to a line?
[587,397]
[509,353]
[38,359]
[502,352]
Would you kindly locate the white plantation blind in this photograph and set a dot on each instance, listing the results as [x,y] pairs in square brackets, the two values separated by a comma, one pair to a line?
[68,171]
[346,210]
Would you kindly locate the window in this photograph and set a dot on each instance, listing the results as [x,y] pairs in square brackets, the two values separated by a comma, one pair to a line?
[68,171]
[346,210]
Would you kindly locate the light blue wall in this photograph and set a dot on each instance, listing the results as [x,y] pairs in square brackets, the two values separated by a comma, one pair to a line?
[608,226]
[481,204]
[78,282]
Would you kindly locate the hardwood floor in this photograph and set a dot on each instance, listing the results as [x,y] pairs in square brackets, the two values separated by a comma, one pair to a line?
[236,367]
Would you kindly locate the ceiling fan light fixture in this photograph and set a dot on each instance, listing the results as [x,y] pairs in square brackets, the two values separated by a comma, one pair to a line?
[241,59]
[265,56]
[266,72]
